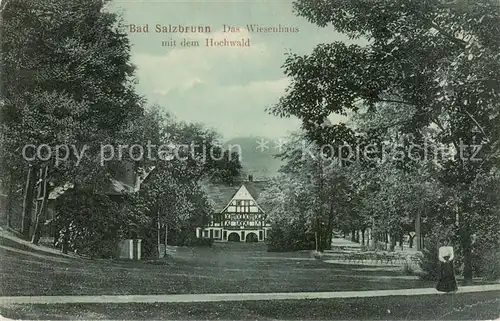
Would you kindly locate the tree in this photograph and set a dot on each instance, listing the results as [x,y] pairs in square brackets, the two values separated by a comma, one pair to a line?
[311,197]
[438,57]
[181,154]
[67,80]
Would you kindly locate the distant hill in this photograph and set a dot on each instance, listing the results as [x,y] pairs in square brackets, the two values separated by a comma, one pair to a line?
[259,162]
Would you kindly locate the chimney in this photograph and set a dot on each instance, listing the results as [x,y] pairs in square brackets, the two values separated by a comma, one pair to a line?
[250,178]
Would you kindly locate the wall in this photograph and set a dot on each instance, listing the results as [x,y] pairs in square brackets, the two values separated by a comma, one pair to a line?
[206,233]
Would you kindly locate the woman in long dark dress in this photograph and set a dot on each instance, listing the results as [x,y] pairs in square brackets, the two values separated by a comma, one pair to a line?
[447,282]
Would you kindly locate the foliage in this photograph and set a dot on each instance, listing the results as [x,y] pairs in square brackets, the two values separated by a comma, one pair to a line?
[408,269]
[90,224]
[67,79]
[489,264]
[317,255]
[438,58]
[290,237]
[429,262]
[200,242]
[290,207]
[172,193]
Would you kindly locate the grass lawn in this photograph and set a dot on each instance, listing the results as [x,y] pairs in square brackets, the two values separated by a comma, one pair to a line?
[224,268]
[467,306]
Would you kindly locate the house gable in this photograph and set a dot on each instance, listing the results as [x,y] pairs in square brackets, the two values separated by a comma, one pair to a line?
[219,195]
[242,198]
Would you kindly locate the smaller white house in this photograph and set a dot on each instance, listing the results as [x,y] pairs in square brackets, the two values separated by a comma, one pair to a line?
[238,215]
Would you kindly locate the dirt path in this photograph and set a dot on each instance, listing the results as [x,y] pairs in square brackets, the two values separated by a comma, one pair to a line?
[219,297]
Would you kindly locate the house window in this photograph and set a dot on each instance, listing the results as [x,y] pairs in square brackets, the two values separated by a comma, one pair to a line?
[246,206]
[216,234]
[243,206]
[205,233]
[261,235]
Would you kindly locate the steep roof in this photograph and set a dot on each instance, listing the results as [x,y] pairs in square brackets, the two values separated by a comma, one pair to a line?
[219,194]
[59,190]
[127,182]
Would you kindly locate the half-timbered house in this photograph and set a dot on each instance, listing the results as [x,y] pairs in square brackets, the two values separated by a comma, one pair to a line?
[238,215]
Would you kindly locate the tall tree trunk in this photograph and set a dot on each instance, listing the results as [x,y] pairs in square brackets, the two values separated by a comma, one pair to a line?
[320,210]
[28,201]
[353,235]
[326,239]
[10,196]
[329,228]
[42,209]
[363,236]
[166,238]
[410,240]
[418,234]
[466,240]
[158,233]
[55,224]
[373,234]
[65,240]
[38,192]
[393,242]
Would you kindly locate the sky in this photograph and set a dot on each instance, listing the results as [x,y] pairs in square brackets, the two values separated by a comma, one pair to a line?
[227,88]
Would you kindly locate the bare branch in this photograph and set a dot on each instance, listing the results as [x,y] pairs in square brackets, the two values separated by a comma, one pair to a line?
[3,3]
[439,125]
[477,124]
[450,37]
[395,101]
[399,122]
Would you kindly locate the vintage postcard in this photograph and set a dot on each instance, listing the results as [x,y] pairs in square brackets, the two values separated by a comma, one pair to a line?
[249,160]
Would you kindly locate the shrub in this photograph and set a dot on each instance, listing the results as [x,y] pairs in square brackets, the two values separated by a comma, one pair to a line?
[407,268]
[380,246]
[429,264]
[200,242]
[290,238]
[490,265]
[90,224]
[317,255]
